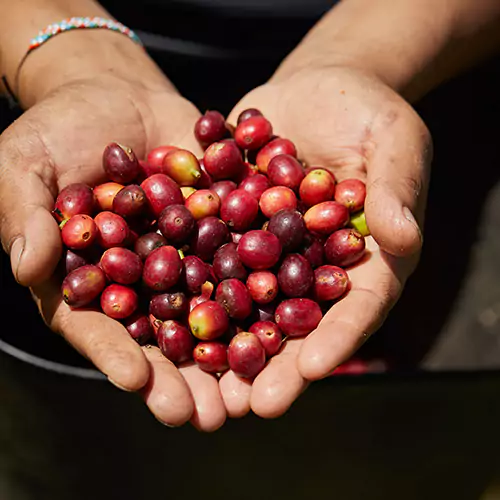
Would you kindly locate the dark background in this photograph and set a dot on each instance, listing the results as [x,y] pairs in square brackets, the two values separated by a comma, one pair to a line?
[408,434]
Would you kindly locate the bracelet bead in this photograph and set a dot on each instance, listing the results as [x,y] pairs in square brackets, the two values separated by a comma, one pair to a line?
[54,29]
[80,23]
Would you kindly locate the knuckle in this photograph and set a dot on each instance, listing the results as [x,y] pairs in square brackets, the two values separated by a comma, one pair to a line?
[15,144]
[428,147]
[23,150]
[425,134]
[403,184]
[380,301]
[411,184]
[424,142]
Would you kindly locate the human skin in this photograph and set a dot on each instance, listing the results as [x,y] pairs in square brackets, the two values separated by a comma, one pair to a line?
[359,68]
[82,90]
[343,97]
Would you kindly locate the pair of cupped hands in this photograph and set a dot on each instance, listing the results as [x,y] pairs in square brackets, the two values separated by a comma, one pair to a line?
[340,117]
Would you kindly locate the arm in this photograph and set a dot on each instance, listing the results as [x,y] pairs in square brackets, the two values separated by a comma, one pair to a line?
[410,45]
[75,55]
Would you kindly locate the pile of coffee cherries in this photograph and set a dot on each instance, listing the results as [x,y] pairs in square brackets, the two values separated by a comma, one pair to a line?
[217,259]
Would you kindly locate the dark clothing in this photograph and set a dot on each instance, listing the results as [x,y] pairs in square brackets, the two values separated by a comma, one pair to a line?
[217,50]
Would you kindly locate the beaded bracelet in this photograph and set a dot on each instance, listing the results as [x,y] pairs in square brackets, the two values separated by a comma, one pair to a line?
[60,27]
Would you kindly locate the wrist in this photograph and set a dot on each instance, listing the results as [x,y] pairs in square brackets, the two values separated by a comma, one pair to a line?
[387,59]
[411,46]
[410,81]
[81,55]
[68,57]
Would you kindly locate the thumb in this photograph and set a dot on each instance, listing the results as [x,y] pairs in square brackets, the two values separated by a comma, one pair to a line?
[28,231]
[397,184]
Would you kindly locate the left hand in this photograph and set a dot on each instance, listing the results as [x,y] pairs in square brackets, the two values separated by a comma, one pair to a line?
[352,123]
[59,141]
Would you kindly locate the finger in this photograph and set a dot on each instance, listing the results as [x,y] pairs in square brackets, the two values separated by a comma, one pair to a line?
[102,340]
[28,231]
[279,384]
[375,286]
[166,394]
[397,183]
[236,394]
[209,411]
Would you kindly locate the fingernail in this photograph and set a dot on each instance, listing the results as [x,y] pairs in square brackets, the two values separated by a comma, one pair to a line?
[166,425]
[116,384]
[409,217]
[16,252]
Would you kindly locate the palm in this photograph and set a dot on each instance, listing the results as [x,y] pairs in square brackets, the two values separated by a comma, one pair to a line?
[58,142]
[351,124]
[76,123]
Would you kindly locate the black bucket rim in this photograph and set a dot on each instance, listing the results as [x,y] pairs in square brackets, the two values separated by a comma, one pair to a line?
[52,366]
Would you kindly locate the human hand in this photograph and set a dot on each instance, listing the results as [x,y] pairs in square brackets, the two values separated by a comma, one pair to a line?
[355,125]
[59,141]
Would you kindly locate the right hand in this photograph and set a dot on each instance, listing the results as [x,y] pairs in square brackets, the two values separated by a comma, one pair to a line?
[353,124]
[59,141]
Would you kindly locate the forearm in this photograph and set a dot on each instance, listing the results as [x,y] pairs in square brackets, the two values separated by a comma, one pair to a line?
[413,45]
[70,56]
